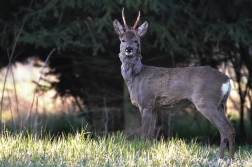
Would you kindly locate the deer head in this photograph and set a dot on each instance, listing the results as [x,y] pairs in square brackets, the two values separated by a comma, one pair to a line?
[130,37]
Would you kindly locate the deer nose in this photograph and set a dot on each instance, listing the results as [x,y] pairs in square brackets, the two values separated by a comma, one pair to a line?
[129,50]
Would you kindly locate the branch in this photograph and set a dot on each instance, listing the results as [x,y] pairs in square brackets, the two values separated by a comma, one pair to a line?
[28,116]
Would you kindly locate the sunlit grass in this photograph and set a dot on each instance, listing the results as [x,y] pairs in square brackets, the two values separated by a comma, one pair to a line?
[81,150]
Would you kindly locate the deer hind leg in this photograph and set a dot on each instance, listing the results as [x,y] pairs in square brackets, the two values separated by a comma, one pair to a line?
[218,118]
[148,123]
[229,135]
[231,130]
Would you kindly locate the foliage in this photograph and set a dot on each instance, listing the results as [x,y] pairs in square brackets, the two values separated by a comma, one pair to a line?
[80,29]
[114,150]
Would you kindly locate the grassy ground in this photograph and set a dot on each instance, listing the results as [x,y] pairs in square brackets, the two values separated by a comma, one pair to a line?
[115,150]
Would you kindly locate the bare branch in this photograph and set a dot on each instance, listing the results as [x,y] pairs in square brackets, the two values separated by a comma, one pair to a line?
[10,60]
[29,114]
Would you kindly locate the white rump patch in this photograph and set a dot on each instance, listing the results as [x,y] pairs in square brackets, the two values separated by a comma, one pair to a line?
[225,87]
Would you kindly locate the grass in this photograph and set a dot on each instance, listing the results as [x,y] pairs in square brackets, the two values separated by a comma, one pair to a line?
[115,150]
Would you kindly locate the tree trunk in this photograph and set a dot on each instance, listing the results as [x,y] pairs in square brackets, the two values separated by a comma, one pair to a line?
[250,124]
[242,129]
[242,95]
[246,53]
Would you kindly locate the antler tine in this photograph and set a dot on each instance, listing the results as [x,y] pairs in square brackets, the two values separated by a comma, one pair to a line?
[124,21]
[135,25]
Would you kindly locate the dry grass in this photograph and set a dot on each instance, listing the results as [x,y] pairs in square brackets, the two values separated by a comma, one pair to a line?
[115,150]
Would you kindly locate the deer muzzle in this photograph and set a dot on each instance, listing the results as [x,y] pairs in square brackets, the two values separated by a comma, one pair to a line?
[129,51]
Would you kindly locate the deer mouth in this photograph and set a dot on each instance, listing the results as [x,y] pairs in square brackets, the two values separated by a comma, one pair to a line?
[129,53]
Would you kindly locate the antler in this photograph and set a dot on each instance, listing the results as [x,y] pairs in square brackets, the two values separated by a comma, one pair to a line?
[124,21]
[135,25]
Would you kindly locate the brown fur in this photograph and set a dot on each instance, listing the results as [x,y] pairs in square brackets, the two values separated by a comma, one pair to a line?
[155,88]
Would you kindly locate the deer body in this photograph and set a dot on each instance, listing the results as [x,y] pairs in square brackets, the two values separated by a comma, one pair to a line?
[158,88]
[155,88]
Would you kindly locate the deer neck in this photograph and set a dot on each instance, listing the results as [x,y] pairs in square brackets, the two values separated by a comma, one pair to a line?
[131,67]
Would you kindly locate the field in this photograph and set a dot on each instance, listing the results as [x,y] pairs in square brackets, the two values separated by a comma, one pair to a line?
[115,150]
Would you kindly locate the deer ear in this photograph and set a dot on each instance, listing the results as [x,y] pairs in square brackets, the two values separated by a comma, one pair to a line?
[118,27]
[141,30]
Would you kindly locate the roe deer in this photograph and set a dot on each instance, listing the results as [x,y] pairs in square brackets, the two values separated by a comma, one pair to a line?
[154,88]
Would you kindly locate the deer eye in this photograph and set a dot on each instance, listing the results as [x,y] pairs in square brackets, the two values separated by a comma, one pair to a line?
[123,40]
[135,41]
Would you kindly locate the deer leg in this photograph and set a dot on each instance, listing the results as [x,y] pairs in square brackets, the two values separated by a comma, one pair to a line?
[231,141]
[231,133]
[220,121]
[148,123]
[223,143]
[227,133]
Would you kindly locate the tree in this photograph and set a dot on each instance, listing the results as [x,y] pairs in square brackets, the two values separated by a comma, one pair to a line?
[180,33]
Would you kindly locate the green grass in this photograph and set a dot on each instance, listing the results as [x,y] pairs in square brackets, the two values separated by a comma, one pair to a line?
[115,150]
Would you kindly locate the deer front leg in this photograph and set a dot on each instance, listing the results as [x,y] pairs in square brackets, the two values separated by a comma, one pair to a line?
[148,123]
